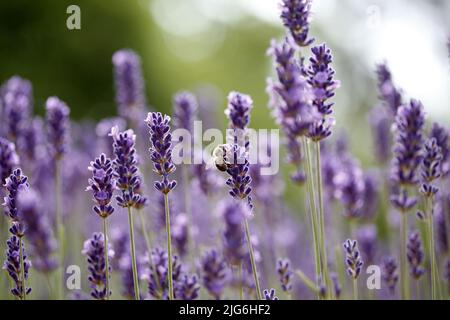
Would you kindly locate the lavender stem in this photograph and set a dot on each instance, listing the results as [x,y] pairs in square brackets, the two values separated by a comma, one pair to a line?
[430,230]
[169,246]
[403,253]
[241,282]
[355,289]
[133,256]
[59,227]
[322,221]
[312,204]
[105,234]
[252,260]
[22,269]
[307,281]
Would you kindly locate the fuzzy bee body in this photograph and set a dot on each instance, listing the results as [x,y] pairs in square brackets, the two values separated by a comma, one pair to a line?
[219,157]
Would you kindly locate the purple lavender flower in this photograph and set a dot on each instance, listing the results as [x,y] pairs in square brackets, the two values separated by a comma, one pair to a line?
[156,274]
[320,78]
[352,258]
[296,17]
[102,185]
[415,255]
[388,93]
[440,212]
[238,170]
[381,123]
[180,233]
[367,240]
[57,126]
[185,107]
[408,137]
[33,138]
[402,201]
[285,274]
[336,286]
[350,187]
[125,167]
[238,110]
[130,96]
[390,276]
[39,231]
[270,294]
[441,135]
[188,287]
[215,273]
[16,183]
[430,167]
[8,159]
[161,150]
[94,250]
[17,99]
[103,129]
[14,268]
[371,190]
[233,238]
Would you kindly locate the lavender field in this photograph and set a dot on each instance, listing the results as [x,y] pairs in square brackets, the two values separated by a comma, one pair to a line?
[166,203]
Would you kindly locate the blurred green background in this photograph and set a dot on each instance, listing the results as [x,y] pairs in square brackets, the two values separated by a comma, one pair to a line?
[187,44]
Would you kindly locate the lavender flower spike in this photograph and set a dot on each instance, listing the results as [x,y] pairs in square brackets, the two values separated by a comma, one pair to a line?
[8,159]
[125,167]
[352,258]
[238,110]
[215,273]
[57,126]
[234,238]
[102,185]
[390,275]
[185,107]
[430,169]
[285,274]
[188,287]
[94,250]
[161,151]
[388,93]
[39,231]
[296,17]
[270,294]
[415,255]
[15,184]
[130,97]
[13,266]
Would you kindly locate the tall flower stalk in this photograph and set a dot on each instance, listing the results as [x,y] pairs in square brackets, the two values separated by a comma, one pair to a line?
[57,114]
[102,185]
[409,123]
[354,263]
[161,156]
[430,171]
[238,113]
[127,181]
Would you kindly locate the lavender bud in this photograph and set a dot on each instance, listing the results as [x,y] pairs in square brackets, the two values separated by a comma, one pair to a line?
[215,273]
[16,183]
[381,123]
[94,250]
[415,255]
[367,240]
[14,268]
[161,150]
[180,233]
[57,126]
[130,97]
[185,107]
[102,185]
[125,167]
[336,286]
[296,17]
[188,287]
[430,167]
[441,135]
[8,159]
[234,238]
[352,258]
[389,271]
[270,294]
[285,274]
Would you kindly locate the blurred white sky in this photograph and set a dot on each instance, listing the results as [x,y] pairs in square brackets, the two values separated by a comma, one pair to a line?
[409,35]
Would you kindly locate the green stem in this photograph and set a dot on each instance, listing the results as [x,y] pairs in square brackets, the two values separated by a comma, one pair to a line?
[312,204]
[169,247]
[133,256]
[105,234]
[403,254]
[324,258]
[59,227]
[434,272]
[307,281]
[355,289]
[22,270]
[252,260]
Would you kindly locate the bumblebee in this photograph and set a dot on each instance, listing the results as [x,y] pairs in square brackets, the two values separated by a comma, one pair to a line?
[219,157]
